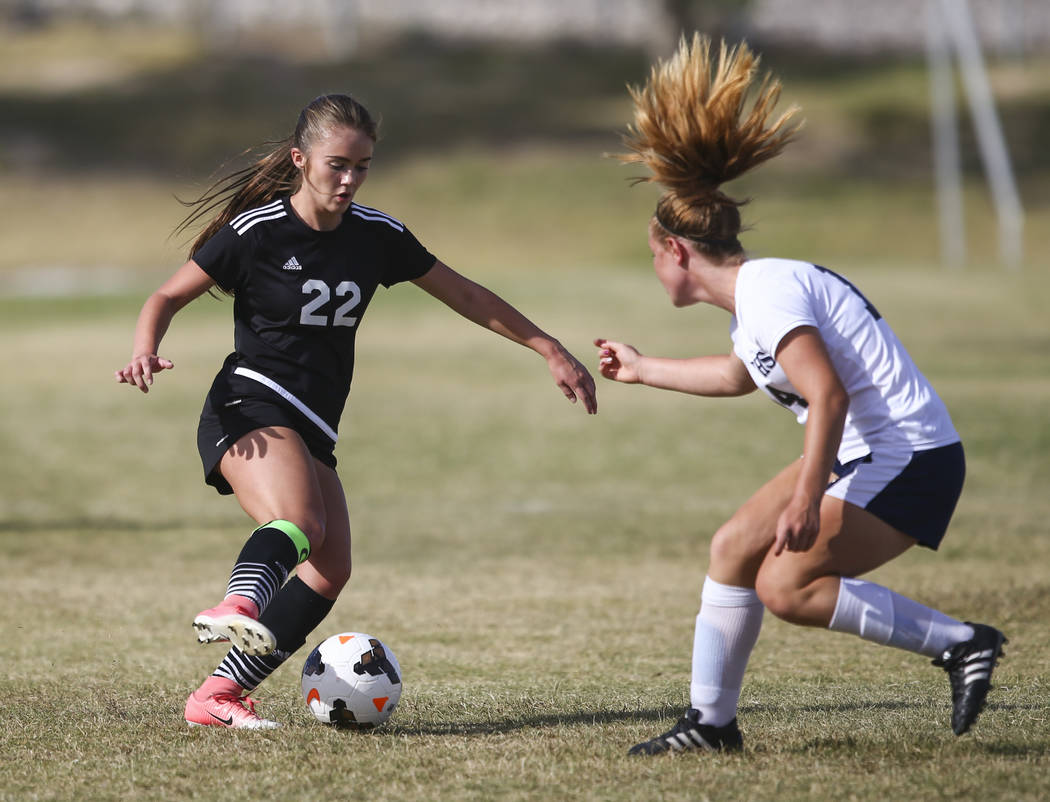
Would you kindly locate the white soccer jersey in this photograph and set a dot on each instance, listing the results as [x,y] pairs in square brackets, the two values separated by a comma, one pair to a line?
[892,405]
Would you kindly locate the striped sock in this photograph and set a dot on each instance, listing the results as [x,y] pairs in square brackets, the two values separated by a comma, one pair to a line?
[295,612]
[267,558]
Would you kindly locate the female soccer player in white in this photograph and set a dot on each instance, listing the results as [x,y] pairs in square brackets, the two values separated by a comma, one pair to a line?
[302,261]
[882,466]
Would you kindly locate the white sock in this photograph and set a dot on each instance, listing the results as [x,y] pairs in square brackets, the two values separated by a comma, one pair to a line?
[878,614]
[727,628]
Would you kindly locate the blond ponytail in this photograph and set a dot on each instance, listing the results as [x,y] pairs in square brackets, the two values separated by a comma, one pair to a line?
[693,131]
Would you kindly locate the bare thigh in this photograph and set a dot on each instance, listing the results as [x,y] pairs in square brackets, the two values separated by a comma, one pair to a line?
[802,587]
[274,476]
[741,543]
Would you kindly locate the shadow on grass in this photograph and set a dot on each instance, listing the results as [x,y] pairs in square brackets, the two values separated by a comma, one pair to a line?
[855,746]
[663,716]
[666,716]
[597,717]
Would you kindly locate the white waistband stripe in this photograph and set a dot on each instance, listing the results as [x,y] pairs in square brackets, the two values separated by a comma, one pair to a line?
[291,399]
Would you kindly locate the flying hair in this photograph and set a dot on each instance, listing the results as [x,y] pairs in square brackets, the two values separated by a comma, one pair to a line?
[272,172]
[695,130]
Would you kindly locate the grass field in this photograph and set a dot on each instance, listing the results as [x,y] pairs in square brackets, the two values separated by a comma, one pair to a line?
[535,570]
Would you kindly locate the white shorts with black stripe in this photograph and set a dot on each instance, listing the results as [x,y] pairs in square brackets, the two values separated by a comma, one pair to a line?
[915,493]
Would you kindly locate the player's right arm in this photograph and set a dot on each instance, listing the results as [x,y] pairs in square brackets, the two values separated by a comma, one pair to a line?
[716,376]
[187,283]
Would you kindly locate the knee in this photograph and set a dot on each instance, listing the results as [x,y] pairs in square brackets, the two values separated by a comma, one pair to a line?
[326,575]
[338,575]
[722,546]
[736,552]
[329,567]
[312,525]
[781,596]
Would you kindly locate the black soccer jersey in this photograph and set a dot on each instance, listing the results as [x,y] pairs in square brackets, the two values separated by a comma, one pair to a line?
[300,295]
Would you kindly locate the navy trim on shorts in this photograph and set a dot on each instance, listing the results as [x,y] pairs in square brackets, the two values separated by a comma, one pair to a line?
[841,470]
[921,499]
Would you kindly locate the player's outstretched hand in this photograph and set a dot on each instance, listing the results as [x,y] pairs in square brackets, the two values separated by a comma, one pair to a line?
[573,379]
[618,361]
[139,371]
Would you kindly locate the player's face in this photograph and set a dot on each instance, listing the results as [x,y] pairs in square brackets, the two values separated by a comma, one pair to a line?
[335,168]
[668,269]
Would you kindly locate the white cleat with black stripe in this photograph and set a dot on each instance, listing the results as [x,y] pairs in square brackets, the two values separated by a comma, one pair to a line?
[689,733]
[969,665]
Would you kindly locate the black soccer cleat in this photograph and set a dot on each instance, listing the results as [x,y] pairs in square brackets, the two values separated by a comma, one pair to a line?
[689,733]
[969,665]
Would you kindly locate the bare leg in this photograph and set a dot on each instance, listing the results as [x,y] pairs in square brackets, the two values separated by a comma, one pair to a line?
[803,587]
[274,477]
[730,617]
[740,545]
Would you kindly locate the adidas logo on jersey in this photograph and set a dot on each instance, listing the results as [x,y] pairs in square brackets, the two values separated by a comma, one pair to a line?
[292,264]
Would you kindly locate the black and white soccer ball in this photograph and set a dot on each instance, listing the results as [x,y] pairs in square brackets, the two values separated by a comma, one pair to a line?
[352,680]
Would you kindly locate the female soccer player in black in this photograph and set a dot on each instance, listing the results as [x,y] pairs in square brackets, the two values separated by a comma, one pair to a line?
[302,261]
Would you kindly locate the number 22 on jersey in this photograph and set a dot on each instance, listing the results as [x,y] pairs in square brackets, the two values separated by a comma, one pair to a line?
[320,294]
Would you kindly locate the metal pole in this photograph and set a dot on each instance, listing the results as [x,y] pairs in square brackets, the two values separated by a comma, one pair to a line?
[947,166]
[994,153]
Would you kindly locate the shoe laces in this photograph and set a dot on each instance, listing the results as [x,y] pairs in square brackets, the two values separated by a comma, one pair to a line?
[245,704]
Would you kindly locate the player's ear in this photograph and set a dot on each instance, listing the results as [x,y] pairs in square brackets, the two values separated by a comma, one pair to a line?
[679,251]
[298,158]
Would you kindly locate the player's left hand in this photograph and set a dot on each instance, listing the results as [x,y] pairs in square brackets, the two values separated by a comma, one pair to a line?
[140,370]
[797,526]
[573,379]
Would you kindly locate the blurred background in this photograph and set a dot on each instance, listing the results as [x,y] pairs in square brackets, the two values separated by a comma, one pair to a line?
[919,150]
[535,569]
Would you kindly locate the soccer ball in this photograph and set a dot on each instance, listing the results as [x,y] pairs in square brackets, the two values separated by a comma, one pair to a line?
[352,680]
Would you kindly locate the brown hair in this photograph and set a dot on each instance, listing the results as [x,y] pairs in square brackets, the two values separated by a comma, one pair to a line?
[692,131]
[273,173]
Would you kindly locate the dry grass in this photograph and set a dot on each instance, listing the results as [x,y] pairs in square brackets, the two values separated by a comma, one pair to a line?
[536,571]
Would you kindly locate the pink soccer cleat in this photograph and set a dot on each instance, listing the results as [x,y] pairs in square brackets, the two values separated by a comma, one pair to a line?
[235,620]
[225,710]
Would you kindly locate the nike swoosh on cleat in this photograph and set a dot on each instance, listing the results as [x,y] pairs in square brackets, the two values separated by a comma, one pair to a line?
[227,721]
